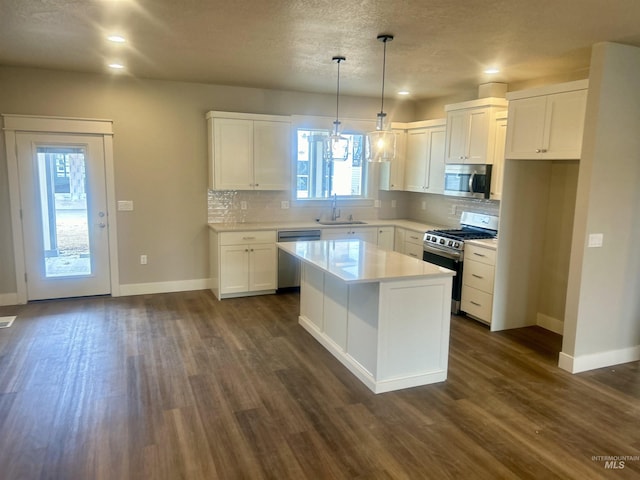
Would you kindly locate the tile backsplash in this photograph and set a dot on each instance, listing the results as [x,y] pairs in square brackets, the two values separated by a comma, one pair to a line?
[266,206]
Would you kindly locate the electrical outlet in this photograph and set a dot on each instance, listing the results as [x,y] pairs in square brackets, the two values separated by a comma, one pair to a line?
[243,205]
[393,203]
[284,204]
[595,240]
[376,203]
[452,210]
[424,204]
[143,259]
[125,205]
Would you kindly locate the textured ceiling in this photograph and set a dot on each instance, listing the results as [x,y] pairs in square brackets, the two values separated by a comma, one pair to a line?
[440,46]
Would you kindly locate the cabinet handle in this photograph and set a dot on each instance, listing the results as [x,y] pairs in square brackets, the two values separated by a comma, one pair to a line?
[248,238]
[251,249]
[257,184]
[413,255]
[461,157]
[541,150]
[479,254]
[413,238]
[246,249]
[475,303]
[477,276]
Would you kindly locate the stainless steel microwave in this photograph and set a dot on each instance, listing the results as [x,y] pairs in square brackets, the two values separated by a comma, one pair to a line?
[467,180]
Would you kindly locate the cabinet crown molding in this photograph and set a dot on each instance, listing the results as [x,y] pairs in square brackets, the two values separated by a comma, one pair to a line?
[479,103]
[549,89]
[248,116]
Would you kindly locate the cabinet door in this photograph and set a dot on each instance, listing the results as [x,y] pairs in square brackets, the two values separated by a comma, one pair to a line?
[392,173]
[478,136]
[498,159]
[564,124]
[262,267]
[435,176]
[233,154]
[399,240]
[385,238]
[234,269]
[336,234]
[366,234]
[526,127]
[272,155]
[457,135]
[417,165]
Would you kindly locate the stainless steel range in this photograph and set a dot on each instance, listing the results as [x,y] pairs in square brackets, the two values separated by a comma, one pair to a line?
[446,247]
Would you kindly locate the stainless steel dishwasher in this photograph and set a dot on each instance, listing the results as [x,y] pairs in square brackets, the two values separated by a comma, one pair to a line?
[288,265]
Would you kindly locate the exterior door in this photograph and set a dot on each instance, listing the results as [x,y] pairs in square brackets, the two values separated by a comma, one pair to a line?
[64,215]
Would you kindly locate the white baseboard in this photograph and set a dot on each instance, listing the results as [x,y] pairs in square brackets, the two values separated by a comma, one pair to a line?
[550,323]
[163,287]
[8,299]
[593,361]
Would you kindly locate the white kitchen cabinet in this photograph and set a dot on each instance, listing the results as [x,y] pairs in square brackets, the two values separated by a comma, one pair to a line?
[497,169]
[392,173]
[413,243]
[478,277]
[424,165]
[366,234]
[249,151]
[243,263]
[547,122]
[386,238]
[470,136]
[398,243]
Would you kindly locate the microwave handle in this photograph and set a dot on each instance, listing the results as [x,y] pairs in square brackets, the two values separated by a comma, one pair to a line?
[473,175]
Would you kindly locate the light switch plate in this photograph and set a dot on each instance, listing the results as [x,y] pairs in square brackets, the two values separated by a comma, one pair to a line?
[393,203]
[376,203]
[243,205]
[125,205]
[284,204]
[595,240]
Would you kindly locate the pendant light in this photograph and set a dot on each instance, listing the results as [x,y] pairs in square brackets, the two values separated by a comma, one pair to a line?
[381,144]
[337,145]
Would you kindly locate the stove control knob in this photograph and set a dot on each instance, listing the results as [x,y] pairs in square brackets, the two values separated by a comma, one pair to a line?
[450,244]
[434,239]
[457,244]
[442,241]
[428,237]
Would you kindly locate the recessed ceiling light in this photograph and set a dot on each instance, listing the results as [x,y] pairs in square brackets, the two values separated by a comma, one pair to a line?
[492,71]
[403,92]
[116,66]
[116,39]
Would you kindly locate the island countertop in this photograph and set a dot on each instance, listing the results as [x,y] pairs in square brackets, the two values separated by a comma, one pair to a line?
[355,261]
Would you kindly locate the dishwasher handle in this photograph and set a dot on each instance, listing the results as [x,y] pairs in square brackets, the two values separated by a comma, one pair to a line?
[298,235]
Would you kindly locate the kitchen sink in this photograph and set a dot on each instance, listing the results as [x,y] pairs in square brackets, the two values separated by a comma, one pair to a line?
[342,222]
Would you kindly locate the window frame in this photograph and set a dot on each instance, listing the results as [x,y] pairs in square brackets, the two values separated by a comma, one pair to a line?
[349,126]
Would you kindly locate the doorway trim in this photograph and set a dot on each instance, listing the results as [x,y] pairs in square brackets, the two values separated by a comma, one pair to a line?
[14,124]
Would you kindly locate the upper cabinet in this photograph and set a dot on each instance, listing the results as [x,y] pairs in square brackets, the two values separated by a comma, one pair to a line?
[498,156]
[547,122]
[424,162]
[249,151]
[392,173]
[471,127]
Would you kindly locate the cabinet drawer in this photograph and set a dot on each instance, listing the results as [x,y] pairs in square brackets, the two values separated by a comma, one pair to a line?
[249,237]
[479,254]
[476,303]
[478,275]
[414,237]
[413,250]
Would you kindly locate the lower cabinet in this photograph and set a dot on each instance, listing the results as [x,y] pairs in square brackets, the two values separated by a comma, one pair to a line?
[477,282]
[366,234]
[386,238]
[413,244]
[243,263]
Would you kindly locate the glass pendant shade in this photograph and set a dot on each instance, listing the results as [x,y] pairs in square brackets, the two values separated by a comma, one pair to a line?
[381,144]
[337,145]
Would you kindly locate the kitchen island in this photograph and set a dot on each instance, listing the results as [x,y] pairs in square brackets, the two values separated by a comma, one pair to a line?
[383,315]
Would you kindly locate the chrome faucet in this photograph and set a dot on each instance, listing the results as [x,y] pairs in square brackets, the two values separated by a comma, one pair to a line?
[335,211]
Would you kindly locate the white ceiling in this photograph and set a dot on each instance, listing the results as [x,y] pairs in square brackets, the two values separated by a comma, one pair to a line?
[440,46]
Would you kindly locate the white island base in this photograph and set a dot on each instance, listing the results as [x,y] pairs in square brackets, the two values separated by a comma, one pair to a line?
[390,329]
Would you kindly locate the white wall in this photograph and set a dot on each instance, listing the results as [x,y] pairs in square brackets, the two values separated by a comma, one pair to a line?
[160,156]
[602,319]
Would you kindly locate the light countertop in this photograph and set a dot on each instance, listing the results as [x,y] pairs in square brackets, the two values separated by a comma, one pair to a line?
[491,243]
[355,261]
[402,223]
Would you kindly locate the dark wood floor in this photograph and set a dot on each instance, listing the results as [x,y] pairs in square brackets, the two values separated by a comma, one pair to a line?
[182,386]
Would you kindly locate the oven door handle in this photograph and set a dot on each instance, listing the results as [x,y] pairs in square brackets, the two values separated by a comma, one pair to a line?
[471,178]
[443,252]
